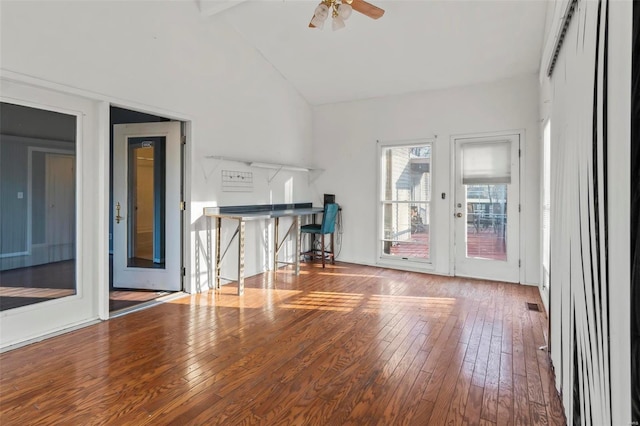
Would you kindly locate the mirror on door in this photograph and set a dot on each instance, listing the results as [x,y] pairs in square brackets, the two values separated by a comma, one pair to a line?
[146,195]
[37,205]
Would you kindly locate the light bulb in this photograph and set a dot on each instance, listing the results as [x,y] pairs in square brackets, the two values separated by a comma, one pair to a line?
[344,10]
[337,24]
[322,11]
[317,22]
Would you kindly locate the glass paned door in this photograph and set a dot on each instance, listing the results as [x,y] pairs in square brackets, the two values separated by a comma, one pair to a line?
[146,188]
[486,211]
[405,197]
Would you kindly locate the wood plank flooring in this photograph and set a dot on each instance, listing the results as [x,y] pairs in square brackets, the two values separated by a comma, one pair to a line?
[345,345]
[483,243]
[35,284]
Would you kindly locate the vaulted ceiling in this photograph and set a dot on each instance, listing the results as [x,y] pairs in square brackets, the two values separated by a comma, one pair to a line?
[417,45]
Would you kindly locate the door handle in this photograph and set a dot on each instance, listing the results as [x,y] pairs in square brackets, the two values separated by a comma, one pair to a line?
[118,217]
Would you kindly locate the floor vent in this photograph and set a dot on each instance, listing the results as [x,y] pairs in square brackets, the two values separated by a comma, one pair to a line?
[533,307]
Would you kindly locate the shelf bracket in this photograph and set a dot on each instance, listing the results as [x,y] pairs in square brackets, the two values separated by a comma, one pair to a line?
[313,175]
[269,179]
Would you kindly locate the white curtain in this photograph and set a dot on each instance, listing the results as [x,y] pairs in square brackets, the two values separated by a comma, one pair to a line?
[578,242]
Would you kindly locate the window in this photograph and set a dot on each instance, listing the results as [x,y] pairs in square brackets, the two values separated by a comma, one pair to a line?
[486,172]
[546,205]
[405,197]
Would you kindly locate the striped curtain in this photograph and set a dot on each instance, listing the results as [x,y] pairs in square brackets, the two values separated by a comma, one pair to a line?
[578,268]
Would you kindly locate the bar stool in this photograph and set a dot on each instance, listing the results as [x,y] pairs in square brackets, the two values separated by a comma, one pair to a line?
[328,226]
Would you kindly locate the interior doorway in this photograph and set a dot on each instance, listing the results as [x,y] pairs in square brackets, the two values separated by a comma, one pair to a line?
[145,227]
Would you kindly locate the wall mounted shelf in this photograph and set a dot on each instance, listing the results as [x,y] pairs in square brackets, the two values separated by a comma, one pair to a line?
[313,172]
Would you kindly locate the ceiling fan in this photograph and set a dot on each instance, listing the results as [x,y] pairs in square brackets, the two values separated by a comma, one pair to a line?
[340,11]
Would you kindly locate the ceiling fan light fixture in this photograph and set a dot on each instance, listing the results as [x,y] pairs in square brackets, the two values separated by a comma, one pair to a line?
[342,10]
[345,10]
[322,11]
[337,24]
[318,22]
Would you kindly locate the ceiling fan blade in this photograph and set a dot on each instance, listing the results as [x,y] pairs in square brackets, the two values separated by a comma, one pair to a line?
[368,9]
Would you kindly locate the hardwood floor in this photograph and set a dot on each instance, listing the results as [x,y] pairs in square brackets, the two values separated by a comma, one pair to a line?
[485,243]
[124,299]
[41,283]
[345,345]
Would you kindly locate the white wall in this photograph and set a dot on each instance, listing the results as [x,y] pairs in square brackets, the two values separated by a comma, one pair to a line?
[345,137]
[163,57]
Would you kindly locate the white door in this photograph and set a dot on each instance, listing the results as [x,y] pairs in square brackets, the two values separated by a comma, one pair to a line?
[146,197]
[60,195]
[486,207]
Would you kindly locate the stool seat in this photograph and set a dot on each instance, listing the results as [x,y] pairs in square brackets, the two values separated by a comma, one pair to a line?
[313,228]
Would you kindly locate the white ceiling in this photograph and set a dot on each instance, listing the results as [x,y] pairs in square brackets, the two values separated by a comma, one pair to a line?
[417,45]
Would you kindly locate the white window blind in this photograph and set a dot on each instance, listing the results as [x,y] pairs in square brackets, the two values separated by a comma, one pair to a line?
[486,163]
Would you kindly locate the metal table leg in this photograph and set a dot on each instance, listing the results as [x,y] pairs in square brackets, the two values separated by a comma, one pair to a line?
[241,258]
[209,258]
[276,247]
[218,259]
[298,236]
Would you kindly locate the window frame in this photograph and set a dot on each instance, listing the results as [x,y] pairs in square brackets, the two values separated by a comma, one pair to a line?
[382,258]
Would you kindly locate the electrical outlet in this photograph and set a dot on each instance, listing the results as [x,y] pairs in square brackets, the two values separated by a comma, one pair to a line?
[20,195]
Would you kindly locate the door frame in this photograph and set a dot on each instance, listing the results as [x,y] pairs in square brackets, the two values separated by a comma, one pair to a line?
[185,171]
[452,190]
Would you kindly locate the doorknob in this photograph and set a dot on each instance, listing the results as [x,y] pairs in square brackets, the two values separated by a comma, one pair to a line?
[118,217]
[458,214]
